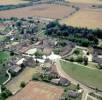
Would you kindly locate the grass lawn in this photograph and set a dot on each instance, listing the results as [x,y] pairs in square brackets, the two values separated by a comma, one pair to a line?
[25,75]
[83,74]
[4,56]
[88,98]
[2,37]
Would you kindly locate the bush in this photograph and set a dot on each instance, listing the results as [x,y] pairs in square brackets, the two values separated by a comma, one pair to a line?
[71,59]
[36,76]
[99,66]
[5,93]
[23,84]
[77,52]
[79,59]
[85,61]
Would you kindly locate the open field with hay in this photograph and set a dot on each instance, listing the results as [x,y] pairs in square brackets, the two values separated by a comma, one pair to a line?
[12,2]
[85,1]
[41,10]
[38,91]
[90,18]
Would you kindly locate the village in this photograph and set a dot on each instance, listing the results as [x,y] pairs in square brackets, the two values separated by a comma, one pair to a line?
[37,63]
[34,57]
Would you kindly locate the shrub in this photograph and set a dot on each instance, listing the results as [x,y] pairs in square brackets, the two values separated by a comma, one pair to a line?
[79,59]
[99,66]
[23,84]
[77,52]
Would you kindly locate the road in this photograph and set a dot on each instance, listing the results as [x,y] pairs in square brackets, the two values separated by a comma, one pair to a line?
[63,74]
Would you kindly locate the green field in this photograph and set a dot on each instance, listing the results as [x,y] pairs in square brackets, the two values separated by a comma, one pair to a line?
[85,75]
[4,56]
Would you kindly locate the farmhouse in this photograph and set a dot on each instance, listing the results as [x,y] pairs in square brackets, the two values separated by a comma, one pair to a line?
[73,94]
[60,81]
[64,81]
[97,55]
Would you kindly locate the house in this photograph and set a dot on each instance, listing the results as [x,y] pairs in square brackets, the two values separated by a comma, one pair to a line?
[60,81]
[55,81]
[73,94]
[15,69]
[31,51]
[29,62]
[64,81]
[20,61]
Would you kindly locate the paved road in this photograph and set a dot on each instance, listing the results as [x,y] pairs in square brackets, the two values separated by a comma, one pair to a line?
[63,74]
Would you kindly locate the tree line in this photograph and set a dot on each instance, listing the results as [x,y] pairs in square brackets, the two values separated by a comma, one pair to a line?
[81,36]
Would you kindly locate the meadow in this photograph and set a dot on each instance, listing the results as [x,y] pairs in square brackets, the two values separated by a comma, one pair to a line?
[4,56]
[83,74]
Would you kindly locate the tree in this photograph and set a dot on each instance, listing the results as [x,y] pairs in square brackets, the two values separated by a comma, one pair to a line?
[5,93]
[79,59]
[78,86]
[99,66]
[12,53]
[23,84]
[3,88]
[85,60]
[38,54]
[77,52]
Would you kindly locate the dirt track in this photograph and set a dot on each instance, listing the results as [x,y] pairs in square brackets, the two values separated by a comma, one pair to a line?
[38,91]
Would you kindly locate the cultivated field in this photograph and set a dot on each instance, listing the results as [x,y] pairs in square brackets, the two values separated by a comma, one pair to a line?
[38,91]
[90,77]
[85,1]
[41,10]
[90,18]
[9,2]
[26,75]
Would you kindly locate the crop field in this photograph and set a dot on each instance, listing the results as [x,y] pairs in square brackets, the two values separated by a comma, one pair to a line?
[26,76]
[41,10]
[38,91]
[90,18]
[85,1]
[83,74]
[10,2]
